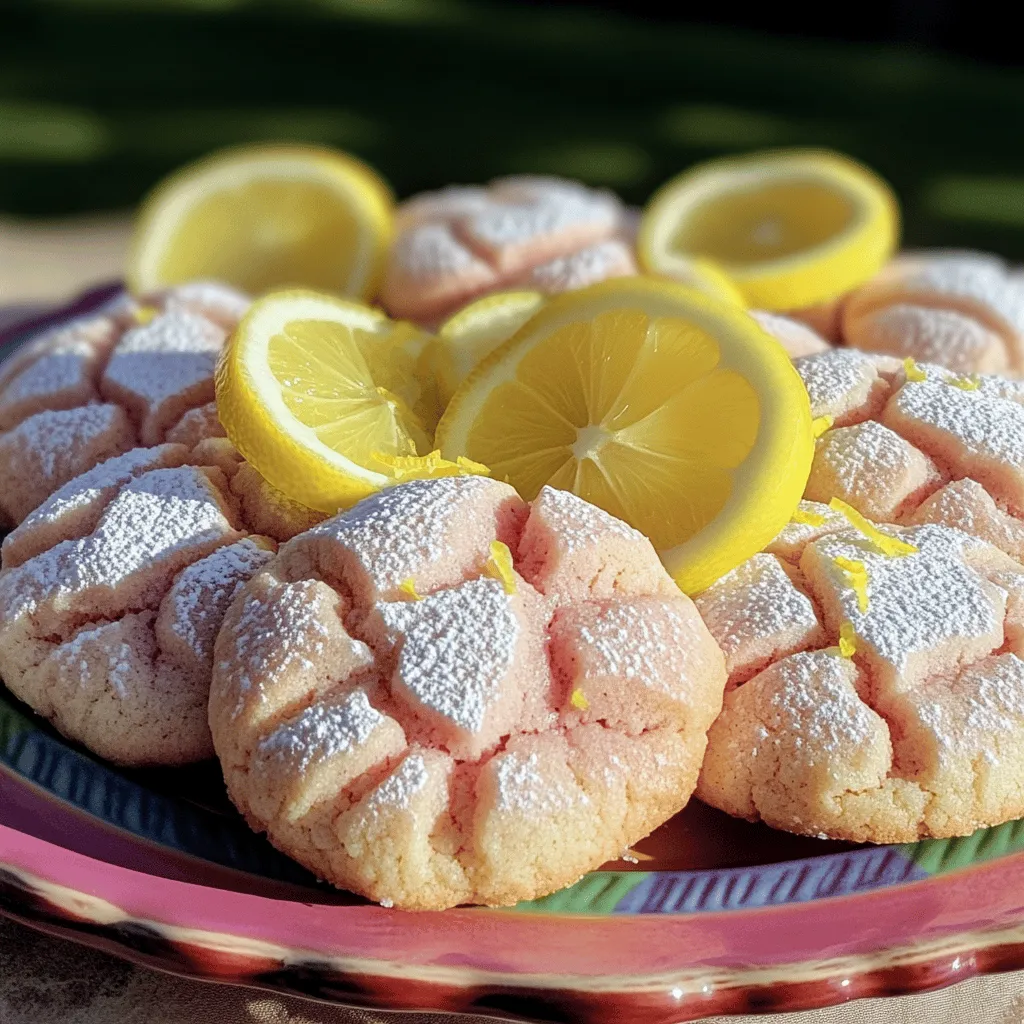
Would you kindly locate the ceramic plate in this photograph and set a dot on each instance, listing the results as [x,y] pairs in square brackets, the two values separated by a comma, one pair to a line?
[719,916]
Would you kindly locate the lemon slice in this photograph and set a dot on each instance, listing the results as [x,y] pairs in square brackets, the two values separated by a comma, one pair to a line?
[707,277]
[266,216]
[320,395]
[475,331]
[790,228]
[670,410]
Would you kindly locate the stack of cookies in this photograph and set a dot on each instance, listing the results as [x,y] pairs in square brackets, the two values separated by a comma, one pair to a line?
[436,682]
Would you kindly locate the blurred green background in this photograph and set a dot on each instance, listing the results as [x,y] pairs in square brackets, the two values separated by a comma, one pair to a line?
[99,98]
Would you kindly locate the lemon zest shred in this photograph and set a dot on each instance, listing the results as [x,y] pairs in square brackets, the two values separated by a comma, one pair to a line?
[144,314]
[499,566]
[847,640]
[805,518]
[968,382]
[416,467]
[822,423]
[888,545]
[409,587]
[579,700]
[913,371]
[856,574]
[471,467]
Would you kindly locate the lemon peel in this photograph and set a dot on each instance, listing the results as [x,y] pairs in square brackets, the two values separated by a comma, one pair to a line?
[847,640]
[266,216]
[856,574]
[805,518]
[913,371]
[822,423]
[790,228]
[579,700]
[888,545]
[969,382]
[144,314]
[499,566]
[421,467]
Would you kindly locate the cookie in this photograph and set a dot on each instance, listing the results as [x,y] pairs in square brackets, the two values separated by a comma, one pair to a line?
[544,234]
[875,650]
[111,596]
[106,383]
[445,695]
[798,339]
[964,311]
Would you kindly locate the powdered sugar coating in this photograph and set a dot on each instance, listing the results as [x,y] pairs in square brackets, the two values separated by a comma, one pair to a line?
[523,789]
[149,373]
[841,383]
[112,602]
[457,647]
[918,604]
[926,619]
[586,266]
[172,360]
[461,243]
[323,730]
[463,666]
[757,612]
[201,594]
[957,309]
[987,431]
[871,467]
[436,512]
[50,448]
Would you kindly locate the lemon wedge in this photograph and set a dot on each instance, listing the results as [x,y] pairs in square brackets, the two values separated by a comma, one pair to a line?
[264,217]
[324,398]
[475,331]
[790,228]
[672,411]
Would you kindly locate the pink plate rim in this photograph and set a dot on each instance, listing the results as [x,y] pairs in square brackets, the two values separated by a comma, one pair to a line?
[657,968]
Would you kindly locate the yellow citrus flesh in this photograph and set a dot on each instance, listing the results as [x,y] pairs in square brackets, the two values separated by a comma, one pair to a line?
[475,331]
[319,394]
[670,410]
[791,228]
[264,217]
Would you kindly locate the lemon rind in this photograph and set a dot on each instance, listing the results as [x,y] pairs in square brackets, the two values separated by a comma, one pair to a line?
[371,204]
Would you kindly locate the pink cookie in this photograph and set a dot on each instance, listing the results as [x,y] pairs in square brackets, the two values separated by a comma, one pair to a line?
[876,688]
[544,234]
[963,311]
[108,382]
[111,596]
[446,696]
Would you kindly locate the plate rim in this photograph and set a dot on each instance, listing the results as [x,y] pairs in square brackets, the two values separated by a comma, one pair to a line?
[198,931]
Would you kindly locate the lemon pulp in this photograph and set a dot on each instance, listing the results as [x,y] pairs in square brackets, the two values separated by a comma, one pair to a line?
[649,430]
[265,234]
[769,222]
[327,383]
[671,410]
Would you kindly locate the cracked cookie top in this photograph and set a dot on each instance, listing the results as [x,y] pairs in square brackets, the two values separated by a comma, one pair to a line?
[446,695]
[874,651]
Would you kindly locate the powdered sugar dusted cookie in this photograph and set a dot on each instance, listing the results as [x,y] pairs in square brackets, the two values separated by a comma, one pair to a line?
[127,375]
[111,596]
[545,234]
[445,695]
[964,311]
[876,650]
